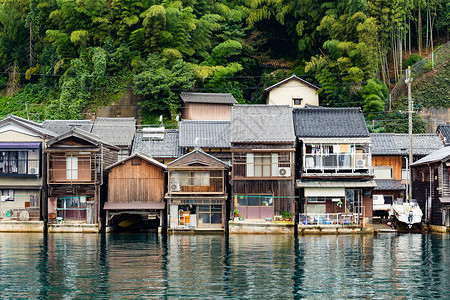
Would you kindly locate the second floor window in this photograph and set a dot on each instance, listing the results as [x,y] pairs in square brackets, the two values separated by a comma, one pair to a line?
[72,168]
[383,172]
[190,178]
[19,162]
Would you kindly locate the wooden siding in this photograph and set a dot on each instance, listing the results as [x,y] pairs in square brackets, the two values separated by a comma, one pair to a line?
[134,182]
[187,184]
[389,160]
[206,111]
[194,160]
[281,190]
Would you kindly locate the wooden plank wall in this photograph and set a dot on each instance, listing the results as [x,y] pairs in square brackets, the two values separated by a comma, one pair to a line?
[131,182]
[277,188]
[206,111]
[389,160]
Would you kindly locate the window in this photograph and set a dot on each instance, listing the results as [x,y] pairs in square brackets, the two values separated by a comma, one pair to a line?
[210,214]
[255,200]
[316,199]
[297,101]
[266,164]
[7,195]
[383,172]
[72,168]
[188,178]
[19,162]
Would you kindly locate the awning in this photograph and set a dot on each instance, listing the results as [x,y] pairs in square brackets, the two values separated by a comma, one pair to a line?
[445,200]
[336,184]
[134,206]
[324,192]
[20,145]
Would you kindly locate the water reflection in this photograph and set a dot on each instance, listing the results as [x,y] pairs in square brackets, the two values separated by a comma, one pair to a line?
[84,266]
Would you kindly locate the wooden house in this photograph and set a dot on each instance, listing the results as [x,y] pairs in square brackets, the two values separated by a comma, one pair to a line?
[335,178]
[213,137]
[197,191]
[292,91]
[263,152]
[76,161]
[206,106]
[22,169]
[136,187]
[390,152]
[431,188]
[159,143]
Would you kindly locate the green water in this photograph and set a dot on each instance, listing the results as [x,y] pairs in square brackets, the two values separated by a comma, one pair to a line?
[86,266]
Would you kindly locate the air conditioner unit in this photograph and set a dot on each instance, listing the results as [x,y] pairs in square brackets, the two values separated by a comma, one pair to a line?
[360,163]
[174,187]
[284,172]
[33,171]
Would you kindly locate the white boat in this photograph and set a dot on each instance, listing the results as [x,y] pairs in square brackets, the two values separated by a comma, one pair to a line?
[407,215]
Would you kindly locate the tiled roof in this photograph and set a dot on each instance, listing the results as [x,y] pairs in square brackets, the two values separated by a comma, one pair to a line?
[398,143]
[330,123]
[208,134]
[141,155]
[115,131]
[389,185]
[33,126]
[293,77]
[215,98]
[438,155]
[445,131]
[62,126]
[261,123]
[166,148]
[80,133]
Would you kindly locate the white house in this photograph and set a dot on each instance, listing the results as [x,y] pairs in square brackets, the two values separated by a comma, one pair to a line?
[292,91]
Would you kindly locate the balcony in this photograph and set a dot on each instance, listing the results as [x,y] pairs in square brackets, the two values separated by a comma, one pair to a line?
[198,182]
[337,162]
[73,170]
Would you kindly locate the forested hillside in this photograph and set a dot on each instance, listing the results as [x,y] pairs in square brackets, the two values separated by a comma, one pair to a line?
[60,57]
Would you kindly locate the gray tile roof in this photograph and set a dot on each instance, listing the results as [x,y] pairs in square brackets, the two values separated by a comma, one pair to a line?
[33,126]
[262,123]
[330,123]
[62,126]
[389,185]
[166,148]
[215,98]
[115,131]
[207,134]
[398,143]
[442,154]
[80,133]
[445,131]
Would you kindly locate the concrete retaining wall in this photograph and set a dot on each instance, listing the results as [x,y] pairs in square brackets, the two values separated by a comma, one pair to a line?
[442,229]
[22,226]
[85,228]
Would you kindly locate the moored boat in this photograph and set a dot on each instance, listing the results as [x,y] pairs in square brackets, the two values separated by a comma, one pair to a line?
[407,215]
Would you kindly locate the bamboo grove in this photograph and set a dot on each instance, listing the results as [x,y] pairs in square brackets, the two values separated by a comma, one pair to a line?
[60,57]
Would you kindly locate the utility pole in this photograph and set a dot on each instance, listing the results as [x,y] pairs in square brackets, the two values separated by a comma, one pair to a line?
[408,81]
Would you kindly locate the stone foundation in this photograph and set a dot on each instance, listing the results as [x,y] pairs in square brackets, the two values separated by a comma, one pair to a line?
[22,226]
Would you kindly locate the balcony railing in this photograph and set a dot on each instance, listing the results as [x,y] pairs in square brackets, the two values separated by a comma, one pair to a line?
[337,161]
[330,219]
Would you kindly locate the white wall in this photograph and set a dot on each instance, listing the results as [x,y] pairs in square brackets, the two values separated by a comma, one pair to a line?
[283,94]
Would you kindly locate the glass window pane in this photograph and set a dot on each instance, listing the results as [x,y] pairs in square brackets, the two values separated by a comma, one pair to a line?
[216,208]
[203,208]
[242,200]
[12,164]
[204,218]
[22,155]
[253,201]
[216,218]
[3,162]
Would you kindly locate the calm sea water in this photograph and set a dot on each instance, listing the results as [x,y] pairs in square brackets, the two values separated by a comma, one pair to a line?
[82,266]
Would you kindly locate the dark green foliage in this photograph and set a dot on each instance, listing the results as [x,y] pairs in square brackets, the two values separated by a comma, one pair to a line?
[412,60]
[396,122]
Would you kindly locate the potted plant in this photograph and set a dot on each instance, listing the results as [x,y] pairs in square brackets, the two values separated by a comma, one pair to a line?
[236,212]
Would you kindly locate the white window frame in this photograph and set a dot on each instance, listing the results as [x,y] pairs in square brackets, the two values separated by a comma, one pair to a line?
[72,168]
